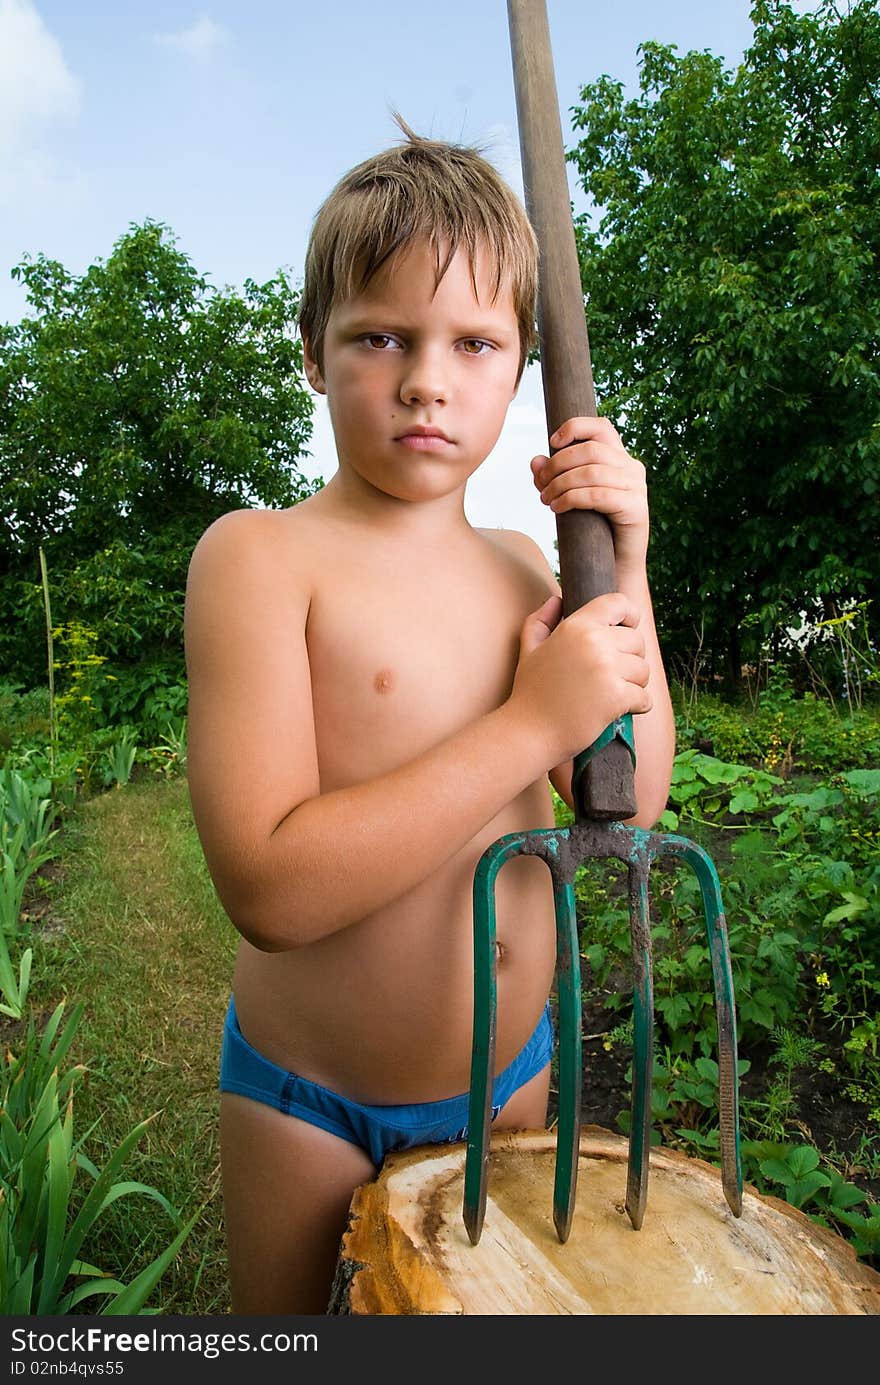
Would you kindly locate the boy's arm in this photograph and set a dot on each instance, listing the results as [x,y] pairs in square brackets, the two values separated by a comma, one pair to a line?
[291,864]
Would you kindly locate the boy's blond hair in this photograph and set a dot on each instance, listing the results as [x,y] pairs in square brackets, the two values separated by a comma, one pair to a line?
[447,193]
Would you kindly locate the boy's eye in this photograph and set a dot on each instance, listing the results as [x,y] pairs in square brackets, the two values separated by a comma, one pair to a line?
[473,346]
[379,341]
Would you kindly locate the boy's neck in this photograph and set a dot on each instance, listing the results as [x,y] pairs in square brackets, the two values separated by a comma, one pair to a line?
[351,497]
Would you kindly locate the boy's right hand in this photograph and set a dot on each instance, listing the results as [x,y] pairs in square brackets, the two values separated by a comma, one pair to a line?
[576,675]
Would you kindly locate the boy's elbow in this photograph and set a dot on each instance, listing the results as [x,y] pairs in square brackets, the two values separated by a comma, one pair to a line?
[265,919]
[256,925]
[262,936]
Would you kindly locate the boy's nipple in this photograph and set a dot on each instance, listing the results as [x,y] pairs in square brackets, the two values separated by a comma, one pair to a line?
[384,681]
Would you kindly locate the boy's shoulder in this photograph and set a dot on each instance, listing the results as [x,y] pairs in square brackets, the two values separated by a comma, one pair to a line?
[522,550]
[240,525]
[246,550]
[245,529]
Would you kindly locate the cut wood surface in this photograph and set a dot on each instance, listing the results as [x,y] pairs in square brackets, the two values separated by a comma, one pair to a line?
[406,1250]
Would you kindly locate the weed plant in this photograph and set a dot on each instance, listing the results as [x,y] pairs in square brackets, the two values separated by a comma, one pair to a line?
[796,851]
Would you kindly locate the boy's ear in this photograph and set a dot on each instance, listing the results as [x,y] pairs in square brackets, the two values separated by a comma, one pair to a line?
[312,369]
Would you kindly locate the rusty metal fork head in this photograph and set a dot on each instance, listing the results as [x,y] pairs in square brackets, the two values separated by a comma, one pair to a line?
[564,850]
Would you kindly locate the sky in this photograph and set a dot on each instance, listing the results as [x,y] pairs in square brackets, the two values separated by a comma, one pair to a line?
[230,123]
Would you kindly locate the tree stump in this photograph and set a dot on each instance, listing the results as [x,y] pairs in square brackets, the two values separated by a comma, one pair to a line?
[406,1250]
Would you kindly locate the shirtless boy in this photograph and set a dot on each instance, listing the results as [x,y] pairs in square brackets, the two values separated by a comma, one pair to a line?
[378,690]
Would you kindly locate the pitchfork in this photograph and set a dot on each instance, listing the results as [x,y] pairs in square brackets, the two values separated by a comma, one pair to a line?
[603,775]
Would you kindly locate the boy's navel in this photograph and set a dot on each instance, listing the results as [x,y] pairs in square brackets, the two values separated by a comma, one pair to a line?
[384,681]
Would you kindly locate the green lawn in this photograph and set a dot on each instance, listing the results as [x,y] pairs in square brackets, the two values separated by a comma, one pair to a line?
[135,932]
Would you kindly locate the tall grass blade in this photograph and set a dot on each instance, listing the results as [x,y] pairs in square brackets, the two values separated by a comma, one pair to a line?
[60,1182]
[132,1299]
[88,1290]
[93,1205]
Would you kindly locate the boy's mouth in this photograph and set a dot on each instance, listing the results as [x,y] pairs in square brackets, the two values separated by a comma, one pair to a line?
[422,439]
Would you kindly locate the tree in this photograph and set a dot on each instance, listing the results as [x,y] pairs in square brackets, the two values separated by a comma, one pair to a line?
[137,404]
[730,270]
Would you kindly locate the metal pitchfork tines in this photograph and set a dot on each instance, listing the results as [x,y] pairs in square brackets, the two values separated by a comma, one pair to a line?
[603,777]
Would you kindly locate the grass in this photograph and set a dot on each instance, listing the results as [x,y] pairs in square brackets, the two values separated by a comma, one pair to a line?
[143,942]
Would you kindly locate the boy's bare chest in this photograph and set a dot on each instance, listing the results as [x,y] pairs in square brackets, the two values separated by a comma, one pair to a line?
[400,659]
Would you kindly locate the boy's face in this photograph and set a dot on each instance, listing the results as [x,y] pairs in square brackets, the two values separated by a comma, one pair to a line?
[418,381]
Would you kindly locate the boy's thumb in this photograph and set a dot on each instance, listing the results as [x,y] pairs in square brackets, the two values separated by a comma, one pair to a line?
[541,623]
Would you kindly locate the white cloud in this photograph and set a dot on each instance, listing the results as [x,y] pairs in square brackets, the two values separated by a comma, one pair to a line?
[36,85]
[199,41]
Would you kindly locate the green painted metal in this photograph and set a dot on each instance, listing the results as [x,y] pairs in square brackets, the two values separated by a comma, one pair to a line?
[670,844]
[568,1128]
[564,850]
[485,1014]
[643,1039]
[621,729]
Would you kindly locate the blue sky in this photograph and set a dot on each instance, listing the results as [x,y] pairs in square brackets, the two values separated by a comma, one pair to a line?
[230,122]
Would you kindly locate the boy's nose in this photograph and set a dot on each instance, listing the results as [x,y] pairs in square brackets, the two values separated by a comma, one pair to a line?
[424,381]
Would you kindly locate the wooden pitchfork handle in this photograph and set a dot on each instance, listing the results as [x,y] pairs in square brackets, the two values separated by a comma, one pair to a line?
[604,784]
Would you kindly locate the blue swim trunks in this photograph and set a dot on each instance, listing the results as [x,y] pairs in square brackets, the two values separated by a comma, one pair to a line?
[377,1129]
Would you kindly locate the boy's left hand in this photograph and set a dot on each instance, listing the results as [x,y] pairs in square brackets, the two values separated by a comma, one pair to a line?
[592,470]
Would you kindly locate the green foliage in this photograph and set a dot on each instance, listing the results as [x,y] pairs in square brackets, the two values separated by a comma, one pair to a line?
[130,598]
[137,404]
[144,1037]
[848,638]
[169,756]
[118,761]
[26,816]
[779,732]
[23,715]
[800,875]
[52,1196]
[729,265]
[148,697]
[80,674]
[704,784]
[794,1172]
[26,836]
[46,1216]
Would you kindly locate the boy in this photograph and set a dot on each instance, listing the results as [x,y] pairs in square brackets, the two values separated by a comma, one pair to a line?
[377,692]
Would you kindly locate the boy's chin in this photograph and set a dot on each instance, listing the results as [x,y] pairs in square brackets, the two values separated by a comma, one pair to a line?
[421,485]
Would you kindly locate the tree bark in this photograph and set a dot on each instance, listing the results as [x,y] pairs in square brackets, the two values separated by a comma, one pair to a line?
[406,1250]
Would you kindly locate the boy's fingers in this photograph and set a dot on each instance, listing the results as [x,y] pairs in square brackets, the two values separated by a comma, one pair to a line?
[537,626]
[583,430]
[636,669]
[630,640]
[612,608]
[597,477]
[550,611]
[576,457]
